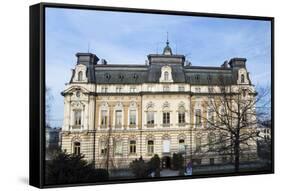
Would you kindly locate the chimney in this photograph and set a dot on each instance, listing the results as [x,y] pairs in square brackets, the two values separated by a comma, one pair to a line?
[103,62]
[225,64]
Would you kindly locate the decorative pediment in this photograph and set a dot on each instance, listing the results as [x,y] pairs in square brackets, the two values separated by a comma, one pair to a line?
[77,105]
[150,137]
[166,105]
[119,106]
[133,104]
[104,105]
[74,89]
[166,137]
[150,105]
[76,138]
[181,136]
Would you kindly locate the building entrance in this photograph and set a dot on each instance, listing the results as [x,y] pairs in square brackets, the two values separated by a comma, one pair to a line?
[166,162]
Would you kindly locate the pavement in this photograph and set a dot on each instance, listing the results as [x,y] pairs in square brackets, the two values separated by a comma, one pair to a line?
[168,172]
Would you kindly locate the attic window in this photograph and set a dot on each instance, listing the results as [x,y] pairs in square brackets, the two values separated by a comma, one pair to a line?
[135,76]
[107,76]
[121,77]
[197,77]
[209,78]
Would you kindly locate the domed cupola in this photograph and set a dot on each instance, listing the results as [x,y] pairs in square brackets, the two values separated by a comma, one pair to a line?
[167,50]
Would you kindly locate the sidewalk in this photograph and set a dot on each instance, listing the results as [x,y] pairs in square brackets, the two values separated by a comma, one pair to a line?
[168,172]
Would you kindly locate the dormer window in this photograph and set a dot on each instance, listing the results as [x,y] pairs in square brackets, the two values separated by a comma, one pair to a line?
[80,76]
[166,74]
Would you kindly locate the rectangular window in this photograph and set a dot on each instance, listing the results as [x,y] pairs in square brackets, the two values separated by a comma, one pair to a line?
[118,89]
[197,90]
[103,148]
[181,117]
[211,90]
[133,89]
[198,119]
[77,117]
[118,118]
[118,147]
[132,147]
[166,118]
[181,88]
[150,117]
[150,147]
[197,144]
[104,118]
[222,116]
[211,118]
[132,117]
[224,159]
[212,161]
[104,89]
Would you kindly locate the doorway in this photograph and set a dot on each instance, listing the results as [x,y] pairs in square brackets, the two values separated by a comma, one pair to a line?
[166,162]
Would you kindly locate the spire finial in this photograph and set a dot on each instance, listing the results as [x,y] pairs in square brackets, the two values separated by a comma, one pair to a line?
[167,38]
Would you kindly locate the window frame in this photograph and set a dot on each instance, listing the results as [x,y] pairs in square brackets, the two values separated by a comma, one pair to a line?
[132,147]
[76,148]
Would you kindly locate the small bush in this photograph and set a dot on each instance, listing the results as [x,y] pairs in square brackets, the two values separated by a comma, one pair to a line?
[177,161]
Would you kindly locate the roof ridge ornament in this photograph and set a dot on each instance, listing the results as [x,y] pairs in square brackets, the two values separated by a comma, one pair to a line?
[167,50]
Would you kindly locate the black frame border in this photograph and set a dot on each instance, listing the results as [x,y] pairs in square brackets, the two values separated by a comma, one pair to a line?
[37,91]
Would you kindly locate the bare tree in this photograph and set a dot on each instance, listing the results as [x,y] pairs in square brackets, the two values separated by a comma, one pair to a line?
[108,155]
[232,116]
[49,100]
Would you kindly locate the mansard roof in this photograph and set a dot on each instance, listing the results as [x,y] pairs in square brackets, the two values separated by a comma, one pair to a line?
[151,71]
[137,74]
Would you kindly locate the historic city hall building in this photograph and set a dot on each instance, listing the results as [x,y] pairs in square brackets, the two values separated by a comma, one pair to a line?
[114,114]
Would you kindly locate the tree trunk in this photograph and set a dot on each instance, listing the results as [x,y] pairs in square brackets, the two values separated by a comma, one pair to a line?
[237,154]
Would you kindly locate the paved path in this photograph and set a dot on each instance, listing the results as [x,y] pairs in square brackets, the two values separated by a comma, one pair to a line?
[168,172]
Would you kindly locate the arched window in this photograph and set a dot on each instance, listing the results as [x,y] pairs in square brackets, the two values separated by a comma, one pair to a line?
[76,149]
[181,146]
[80,76]
[242,78]
[197,143]
[211,141]
[166,76]
[150,147]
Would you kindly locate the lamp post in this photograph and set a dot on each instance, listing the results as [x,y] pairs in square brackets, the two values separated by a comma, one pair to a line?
[185,155]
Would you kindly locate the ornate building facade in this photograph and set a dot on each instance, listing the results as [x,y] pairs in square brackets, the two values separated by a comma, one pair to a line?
[114,114]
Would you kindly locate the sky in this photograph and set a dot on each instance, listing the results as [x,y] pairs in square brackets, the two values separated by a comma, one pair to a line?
[127,38]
